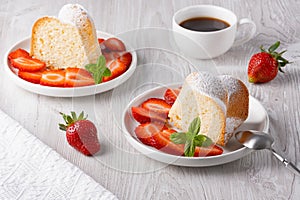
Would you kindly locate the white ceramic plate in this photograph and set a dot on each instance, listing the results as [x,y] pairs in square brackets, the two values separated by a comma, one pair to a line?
[68,92]
[257,120]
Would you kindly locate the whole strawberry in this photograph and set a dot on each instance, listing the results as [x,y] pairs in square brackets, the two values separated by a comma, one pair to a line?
[264,66]
[81,133]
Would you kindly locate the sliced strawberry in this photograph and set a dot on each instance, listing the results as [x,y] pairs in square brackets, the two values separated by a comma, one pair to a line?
[100,40]
[18,53]
[163,142]
[156,105]
[33,77]
[170,95]
[145,132]
[117,68]
[158,136]
[28,64]
[212,150]
[143,115]
[108,56]
[77,77]
[102,46]
[114,44]
[53,78]
[111,55]
[126,58]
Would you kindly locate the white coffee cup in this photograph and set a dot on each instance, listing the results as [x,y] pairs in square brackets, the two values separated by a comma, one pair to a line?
[207,45]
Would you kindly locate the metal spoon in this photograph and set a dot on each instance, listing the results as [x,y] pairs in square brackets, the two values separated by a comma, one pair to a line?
[259,140]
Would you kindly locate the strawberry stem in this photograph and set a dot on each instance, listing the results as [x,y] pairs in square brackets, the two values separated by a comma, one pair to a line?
[70,119]
[277,56]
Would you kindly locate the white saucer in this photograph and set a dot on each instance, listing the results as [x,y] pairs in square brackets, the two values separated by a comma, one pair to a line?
[257,120]
[68,92]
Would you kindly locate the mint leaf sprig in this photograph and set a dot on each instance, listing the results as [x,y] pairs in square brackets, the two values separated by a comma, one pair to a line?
[191,139]
[98,70]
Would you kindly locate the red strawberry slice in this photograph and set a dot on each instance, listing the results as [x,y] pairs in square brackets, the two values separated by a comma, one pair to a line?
[163,142]
[157,136]
[53,78]
[170,95]
[108,56]
[126,58]
[100,40]
[33,77]
[212,150]
[111,55]
[18,53]
[143,115]
[77,77]
[145,132]
[102,46]
[117,68]
[156,105]
[114,44]
[28,64]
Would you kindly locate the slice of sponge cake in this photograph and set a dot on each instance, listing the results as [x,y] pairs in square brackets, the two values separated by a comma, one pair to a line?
[67,41]
[221,102]
[203,95]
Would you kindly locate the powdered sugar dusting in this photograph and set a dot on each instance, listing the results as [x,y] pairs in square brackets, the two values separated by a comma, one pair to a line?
[73,14]
[209,85]
[231,124]
[231,84]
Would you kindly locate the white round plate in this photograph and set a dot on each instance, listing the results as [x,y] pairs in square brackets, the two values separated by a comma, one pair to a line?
[68,92]
[257,120]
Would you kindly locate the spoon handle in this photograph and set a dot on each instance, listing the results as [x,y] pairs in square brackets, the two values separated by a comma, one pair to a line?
[287,164]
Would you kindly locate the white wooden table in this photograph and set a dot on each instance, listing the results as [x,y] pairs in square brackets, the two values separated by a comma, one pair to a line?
[119,167]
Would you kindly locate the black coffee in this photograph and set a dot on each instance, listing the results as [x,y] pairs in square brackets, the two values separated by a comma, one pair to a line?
[204,24]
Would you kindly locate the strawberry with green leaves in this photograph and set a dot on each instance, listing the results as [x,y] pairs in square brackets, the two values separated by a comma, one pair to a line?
[264,66]
[81,133]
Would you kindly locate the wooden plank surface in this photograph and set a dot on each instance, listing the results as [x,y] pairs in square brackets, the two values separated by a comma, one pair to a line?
[120,168]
